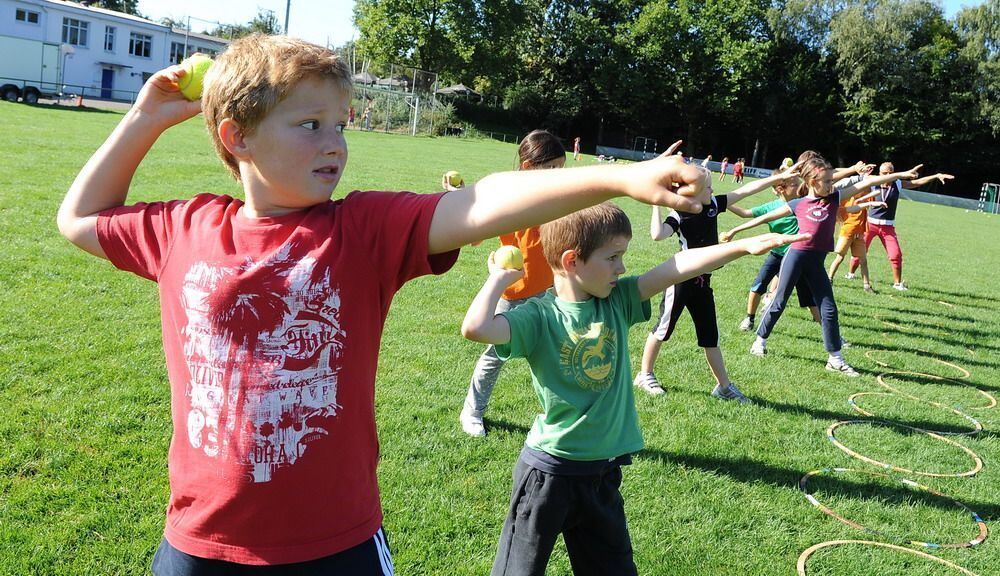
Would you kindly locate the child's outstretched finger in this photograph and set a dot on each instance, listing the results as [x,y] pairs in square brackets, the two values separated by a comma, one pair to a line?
[672,148]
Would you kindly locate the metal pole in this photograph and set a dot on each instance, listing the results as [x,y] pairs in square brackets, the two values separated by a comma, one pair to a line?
[416,115]
[186,32]
[288,7]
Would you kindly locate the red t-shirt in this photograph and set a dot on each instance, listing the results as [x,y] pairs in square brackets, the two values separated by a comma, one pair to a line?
[271,330]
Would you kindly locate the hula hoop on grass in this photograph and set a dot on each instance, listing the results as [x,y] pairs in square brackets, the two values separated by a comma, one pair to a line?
[801,566]
[832,438]
[983,530]
[965,373]
[880,378]
[976,426]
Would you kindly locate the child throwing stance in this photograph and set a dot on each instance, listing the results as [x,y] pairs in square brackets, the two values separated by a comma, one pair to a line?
[693,231]
[273,306]
[539,150]
[816,214]
[568,476]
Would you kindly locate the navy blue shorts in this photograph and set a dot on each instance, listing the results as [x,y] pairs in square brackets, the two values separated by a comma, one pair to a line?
[370,558]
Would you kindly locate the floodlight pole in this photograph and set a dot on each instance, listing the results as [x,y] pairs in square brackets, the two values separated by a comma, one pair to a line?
[288,6]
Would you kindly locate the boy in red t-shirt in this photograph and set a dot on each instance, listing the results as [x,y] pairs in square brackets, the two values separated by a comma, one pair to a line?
[273,306]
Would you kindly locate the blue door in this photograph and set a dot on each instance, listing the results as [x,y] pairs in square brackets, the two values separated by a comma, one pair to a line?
[107,82]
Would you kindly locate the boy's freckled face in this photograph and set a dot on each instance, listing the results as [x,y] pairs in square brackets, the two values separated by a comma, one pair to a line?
[298,152]
[599,274]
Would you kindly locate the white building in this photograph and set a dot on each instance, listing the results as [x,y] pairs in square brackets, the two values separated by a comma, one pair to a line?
[104,54]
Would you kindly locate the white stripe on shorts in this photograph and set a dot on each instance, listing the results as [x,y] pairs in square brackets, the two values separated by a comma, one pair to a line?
[660,330]
[384,556]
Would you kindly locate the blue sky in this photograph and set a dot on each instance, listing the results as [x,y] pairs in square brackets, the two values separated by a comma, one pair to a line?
[318,21]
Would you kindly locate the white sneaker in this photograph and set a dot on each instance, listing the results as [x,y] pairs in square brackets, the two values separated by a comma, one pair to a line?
[842,367]
[849,276]
[730,392]
[758,348]
[472,425]
[746,325]
[900,286]
[647,382]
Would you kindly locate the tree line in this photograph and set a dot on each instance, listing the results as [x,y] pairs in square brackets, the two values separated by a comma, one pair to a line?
[876,79]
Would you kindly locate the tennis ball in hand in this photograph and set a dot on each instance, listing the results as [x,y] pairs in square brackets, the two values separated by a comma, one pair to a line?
[786,163]
[454,178]
[509,257]
[193,80]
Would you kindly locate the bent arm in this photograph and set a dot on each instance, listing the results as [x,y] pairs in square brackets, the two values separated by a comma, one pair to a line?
[758,185]
[658,228]
[481,323]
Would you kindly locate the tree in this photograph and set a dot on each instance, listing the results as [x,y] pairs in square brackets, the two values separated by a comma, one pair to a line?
[126,6]
[980,29]
[265,22]
[906,85]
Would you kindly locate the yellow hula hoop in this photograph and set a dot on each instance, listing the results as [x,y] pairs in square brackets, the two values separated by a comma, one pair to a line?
[991,401]
[978,462]
[983,530]
[801,566]
[965,373]
[976,426]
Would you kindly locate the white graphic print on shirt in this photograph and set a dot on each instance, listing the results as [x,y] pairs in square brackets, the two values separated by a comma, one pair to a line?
[263,365]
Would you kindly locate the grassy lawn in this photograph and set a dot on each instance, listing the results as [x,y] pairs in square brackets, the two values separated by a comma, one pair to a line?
[85,402]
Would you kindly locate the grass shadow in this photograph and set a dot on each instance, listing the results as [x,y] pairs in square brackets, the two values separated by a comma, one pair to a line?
[752,472]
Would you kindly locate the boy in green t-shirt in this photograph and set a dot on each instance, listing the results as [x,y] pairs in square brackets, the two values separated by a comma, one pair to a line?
[575,339]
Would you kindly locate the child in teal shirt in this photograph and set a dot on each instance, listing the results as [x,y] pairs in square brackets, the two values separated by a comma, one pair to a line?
[575,339]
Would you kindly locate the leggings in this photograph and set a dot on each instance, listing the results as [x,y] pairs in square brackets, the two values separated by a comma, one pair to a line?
[887,234]
[806,264]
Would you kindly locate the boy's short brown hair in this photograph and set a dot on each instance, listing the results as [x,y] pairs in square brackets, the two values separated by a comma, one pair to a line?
[584,232]
[257,72]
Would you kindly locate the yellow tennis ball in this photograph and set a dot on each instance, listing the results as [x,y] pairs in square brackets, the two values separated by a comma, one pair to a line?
[509,257]
[193,80]
[786,163]
[454,178]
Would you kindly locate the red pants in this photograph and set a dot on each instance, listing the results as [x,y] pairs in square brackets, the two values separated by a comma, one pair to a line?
[887,234]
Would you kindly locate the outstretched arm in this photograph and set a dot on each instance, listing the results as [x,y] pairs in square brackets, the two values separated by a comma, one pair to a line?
[104,180]
[762,184]
[481,323]
[762,219]
[854,189]
[509,201]
[859,168]
[690,263]
[740,211]
[941,177]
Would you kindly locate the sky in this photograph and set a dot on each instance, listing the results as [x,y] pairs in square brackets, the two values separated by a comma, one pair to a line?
[319,21]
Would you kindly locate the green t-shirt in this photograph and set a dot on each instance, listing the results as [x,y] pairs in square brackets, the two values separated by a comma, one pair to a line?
[784,225]
[580,369]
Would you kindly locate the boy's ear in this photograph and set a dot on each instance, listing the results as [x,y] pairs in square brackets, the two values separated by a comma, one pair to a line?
[232,138]
[569,260]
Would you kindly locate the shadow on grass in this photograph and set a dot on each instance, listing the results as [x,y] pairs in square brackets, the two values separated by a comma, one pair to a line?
[73,108]
[753,472]
[946,294]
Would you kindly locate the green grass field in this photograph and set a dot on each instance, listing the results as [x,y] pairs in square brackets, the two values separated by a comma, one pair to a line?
[85,402]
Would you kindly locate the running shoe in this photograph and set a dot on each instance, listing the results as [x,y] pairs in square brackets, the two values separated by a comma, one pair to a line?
[746,325]
[868,288]
[758,348]
[472,424]
[647,382]
[842,367]
[849,276]
[900,286]
[730,392]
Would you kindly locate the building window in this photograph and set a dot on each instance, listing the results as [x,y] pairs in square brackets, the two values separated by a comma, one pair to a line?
[140,45]
[26,16]
[177,52]
[74,32]
[207,51]
[109,38]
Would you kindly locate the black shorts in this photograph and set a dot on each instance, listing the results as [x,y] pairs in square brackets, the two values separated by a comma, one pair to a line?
[370,558]
[769,269]
[696,295]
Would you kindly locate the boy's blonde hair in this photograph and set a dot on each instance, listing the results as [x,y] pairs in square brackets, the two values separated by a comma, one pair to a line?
[257,72]
[584,232]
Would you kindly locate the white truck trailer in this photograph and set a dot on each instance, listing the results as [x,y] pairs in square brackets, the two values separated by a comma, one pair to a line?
[29,69]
